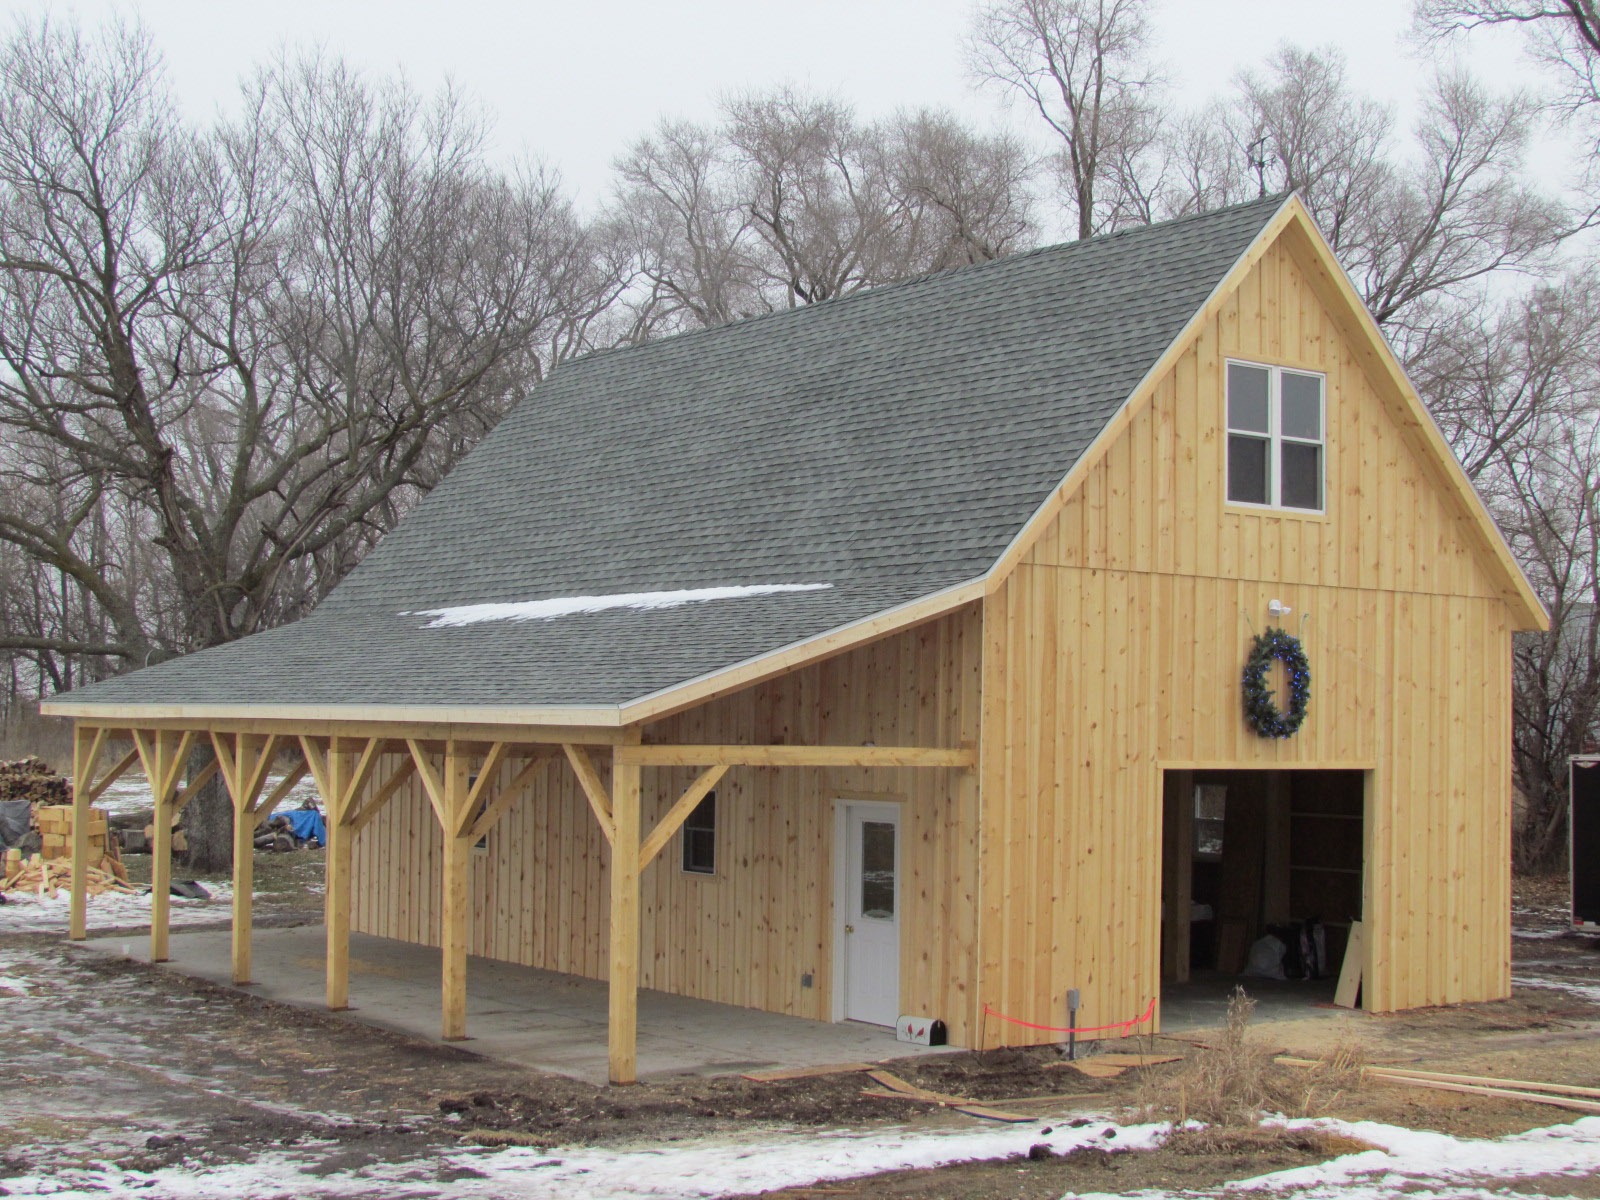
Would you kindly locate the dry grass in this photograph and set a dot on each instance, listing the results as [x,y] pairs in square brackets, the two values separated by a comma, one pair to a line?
[1257,1139]
[1232,1085]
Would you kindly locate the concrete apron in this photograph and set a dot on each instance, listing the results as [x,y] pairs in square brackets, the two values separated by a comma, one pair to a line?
[523,1015]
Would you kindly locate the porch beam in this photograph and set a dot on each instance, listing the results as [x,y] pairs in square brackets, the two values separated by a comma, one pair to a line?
[86,749]
[963,758]
[243,759]
[679,813]
[455,919]
[162,753]
[623,980]
[341,772]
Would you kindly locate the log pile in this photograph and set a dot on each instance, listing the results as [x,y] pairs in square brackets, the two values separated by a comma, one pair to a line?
[34,780]
[45,878]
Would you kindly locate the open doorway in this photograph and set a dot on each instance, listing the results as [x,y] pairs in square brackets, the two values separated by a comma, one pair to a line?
[1251,855]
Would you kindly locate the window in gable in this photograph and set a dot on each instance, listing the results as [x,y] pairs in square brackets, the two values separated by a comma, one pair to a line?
[700,838]
[1275,437]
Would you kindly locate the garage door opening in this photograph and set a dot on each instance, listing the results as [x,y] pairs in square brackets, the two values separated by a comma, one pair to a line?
[1255,855]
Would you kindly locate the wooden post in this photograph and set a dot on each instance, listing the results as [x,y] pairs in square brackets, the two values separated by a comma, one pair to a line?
[336,912]
[624,976]
[162,752]
[244,762]
[244,882]
[85,750]
[455,925]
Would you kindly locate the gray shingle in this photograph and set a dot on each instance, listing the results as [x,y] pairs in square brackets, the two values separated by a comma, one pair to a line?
[891,444]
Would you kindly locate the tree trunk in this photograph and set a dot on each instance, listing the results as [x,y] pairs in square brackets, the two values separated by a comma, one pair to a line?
[208,820]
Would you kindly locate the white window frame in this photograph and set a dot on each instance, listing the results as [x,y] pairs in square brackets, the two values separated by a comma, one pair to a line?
[1275,437]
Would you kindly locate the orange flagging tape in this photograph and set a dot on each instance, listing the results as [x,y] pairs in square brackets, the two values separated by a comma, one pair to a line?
[1122,1025]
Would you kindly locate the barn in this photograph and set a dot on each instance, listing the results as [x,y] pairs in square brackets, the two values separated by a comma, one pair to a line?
[1057,623]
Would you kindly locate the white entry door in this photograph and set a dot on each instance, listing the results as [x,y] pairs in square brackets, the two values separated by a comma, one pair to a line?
[867,912]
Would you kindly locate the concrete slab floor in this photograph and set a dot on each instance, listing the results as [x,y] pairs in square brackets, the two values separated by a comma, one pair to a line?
[534,1018]
[1202,1003]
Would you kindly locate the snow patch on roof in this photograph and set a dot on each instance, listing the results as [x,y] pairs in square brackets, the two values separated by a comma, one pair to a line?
[566,606]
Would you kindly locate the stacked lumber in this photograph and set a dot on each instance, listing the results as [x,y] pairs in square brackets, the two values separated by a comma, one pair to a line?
[55,831]
[1561,1095]
[34,780]
[45,878]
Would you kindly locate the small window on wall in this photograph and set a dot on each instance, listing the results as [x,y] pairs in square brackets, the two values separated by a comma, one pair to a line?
[700,838]
[1210,817]
[1275,437]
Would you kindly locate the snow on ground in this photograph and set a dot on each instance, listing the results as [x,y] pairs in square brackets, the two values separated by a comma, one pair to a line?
[28,912]
[566,606]
[1588,991]
[1419,1164]
[1425,1165]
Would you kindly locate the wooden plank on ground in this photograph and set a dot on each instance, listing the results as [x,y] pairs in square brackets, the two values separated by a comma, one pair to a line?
[1136,1060]
[1349,989]
[779,1074]
[1092,1067]
[896,1088]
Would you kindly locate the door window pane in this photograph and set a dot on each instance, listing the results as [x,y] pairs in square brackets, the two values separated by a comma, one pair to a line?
[1247,469]
[1247,398]
[1302,475]
[877,869]
[1302,406]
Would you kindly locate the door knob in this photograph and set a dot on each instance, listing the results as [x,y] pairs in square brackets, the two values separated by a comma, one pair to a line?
[849,928]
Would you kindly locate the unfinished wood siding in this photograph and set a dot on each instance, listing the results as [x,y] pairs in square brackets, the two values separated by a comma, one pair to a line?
[1116,648]
[747,934]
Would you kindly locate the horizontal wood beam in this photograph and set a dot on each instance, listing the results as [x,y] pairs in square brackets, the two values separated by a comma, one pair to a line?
[796,756]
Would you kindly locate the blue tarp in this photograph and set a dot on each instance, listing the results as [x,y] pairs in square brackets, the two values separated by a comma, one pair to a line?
[307,823]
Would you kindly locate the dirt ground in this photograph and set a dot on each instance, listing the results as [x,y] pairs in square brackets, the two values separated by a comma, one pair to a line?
[112,1060]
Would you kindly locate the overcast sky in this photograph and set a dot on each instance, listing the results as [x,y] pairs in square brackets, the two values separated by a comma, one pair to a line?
[573,82]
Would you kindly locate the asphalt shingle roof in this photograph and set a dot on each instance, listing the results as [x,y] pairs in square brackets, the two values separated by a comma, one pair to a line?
[891,444]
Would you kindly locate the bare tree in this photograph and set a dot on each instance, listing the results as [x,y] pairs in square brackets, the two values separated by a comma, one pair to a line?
[250,348]
[1083,66]
[968,193]
[790,200]
[1416,226]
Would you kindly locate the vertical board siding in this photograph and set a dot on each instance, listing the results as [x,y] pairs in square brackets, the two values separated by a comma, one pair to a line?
[747,934]
[1117,645]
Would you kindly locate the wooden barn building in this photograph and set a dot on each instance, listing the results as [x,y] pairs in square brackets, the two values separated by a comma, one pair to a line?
[885,656]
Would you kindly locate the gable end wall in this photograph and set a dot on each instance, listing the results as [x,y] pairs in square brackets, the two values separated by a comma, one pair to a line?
[1116,645]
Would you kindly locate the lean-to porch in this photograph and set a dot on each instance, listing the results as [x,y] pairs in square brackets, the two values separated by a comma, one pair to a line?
[472,777]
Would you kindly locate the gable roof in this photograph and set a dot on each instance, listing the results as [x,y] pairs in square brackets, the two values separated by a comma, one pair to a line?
[859,461]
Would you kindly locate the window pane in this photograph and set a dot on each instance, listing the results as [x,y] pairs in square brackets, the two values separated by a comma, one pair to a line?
[700,837]
[877,869]
[1247,398]
[1302,475]
[1302,406]
[1247,469]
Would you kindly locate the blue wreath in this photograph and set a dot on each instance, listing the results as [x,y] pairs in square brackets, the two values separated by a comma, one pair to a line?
[1260,711]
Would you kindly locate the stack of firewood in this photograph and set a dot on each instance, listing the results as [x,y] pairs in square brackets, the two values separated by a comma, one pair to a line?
[34,780]
[45,878]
